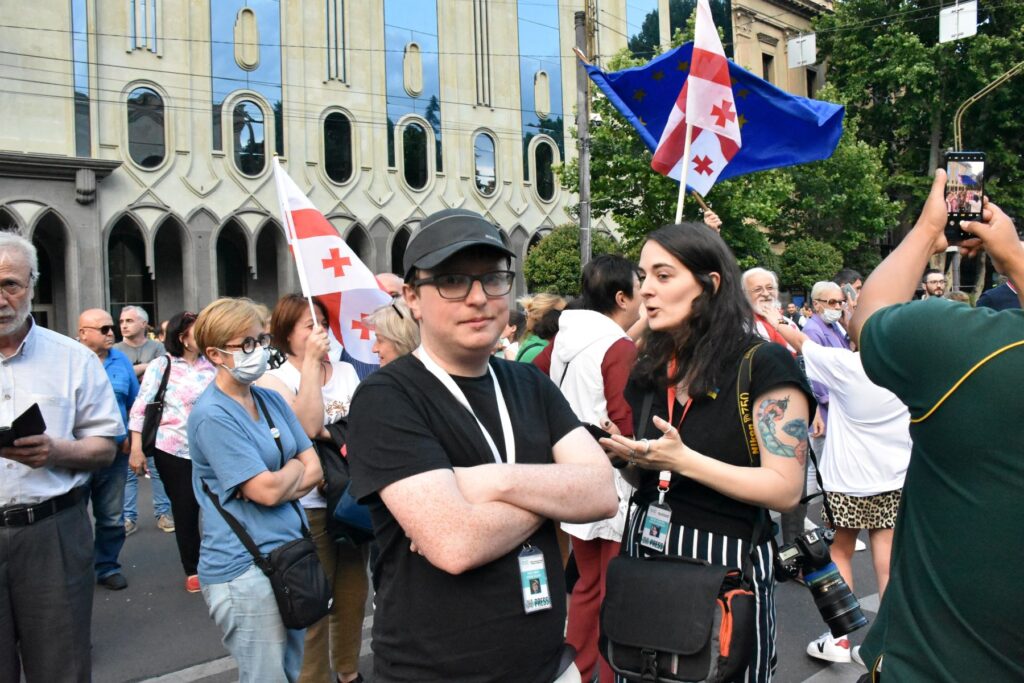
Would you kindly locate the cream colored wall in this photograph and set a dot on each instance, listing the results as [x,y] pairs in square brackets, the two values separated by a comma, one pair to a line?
[193,177]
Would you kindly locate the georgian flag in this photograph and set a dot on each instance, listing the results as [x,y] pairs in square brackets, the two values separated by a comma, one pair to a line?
[330,270]
[706,102]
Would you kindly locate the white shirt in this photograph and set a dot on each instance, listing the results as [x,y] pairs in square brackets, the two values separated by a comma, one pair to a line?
[68,382]
[867,445]
[337,395]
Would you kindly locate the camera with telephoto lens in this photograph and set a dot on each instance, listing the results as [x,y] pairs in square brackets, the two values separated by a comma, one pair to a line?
[832,596]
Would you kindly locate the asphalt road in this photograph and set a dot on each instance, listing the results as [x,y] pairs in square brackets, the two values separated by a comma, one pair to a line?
[155,631]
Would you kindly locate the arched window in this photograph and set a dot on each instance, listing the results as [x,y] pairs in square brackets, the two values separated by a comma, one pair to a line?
[543,158]
[146,144]
[398,246]
[338,147]
[250,143]
[483,164]
[414,155]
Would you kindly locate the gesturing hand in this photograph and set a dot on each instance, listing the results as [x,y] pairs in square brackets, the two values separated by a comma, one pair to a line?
[667,453]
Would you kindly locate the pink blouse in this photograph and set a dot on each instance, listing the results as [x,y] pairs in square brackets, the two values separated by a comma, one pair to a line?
[186,383]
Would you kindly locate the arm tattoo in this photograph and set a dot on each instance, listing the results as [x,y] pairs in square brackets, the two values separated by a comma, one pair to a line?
[770,412]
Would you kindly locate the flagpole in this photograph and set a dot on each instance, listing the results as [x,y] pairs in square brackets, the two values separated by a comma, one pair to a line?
[292,237]
[683,172]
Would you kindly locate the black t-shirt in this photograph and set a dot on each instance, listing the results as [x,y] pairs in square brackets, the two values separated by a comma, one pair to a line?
[430,625]
[712,427]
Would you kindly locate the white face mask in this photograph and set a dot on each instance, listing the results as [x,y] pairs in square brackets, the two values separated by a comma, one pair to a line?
[831,315]
[249,367]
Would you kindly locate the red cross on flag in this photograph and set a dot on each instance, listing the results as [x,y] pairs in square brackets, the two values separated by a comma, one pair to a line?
[330,270]
[707,107]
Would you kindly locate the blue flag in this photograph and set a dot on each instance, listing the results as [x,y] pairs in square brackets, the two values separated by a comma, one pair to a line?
[778,129]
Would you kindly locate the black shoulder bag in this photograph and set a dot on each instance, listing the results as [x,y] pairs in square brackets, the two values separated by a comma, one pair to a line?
[347,520]
[300,585]
[154,413]
[667,618]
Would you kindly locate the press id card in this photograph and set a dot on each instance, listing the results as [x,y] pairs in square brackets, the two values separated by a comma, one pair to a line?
[656,527]
[534,579]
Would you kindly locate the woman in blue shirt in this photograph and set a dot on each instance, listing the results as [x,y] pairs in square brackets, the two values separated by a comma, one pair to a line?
[235,454]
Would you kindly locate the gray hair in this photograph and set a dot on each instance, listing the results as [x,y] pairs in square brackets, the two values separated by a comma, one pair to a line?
[820,288]
[139,312]
[747,274]
[12,240]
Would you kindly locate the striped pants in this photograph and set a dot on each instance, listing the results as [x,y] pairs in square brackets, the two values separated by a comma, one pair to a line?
[728,551]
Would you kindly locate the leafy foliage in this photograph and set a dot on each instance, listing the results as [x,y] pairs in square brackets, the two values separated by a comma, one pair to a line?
[553,264]
[904,88]
[807,261]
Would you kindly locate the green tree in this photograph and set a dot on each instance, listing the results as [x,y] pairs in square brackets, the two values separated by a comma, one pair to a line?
[807,260]
[904,88]
[841,200]
[553,264]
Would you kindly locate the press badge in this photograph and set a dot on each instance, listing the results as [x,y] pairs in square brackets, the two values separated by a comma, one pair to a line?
[656,527]
[534,579]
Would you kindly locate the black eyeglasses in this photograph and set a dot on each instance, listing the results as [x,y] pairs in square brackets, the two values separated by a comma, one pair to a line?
[394,305]
[833,302]
[458,285]
[102,329]
[248,344]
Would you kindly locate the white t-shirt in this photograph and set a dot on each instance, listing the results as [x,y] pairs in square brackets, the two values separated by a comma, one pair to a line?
[337,399]
[867,443]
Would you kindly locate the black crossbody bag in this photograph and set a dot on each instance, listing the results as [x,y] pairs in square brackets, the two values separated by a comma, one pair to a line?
[300,585]
[154,413]
[668,618]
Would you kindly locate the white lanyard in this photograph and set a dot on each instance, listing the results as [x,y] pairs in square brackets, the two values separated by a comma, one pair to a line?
[506,422]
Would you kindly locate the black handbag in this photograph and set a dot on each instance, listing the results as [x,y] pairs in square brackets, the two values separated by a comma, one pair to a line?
[347,520]
[154,413]
[301,588]
[667,618]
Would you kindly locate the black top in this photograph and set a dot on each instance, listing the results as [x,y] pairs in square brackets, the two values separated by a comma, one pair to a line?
[712,427]
[430,625]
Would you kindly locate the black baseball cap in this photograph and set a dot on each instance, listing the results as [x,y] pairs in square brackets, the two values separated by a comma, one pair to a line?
[443,234]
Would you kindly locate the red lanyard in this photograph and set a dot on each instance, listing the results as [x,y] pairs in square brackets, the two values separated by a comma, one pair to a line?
[665,476]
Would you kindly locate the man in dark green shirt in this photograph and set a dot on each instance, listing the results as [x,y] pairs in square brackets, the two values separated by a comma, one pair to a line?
[953,608]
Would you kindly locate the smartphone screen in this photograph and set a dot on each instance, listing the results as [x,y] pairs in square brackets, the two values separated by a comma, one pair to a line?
[965,187]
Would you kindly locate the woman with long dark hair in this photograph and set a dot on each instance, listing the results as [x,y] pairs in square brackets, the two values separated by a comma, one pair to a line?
[692,444]
[190,374]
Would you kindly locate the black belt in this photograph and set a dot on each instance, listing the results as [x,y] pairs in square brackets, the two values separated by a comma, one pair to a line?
[23,515]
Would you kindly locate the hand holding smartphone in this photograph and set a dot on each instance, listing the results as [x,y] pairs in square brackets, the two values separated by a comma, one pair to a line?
[965,188]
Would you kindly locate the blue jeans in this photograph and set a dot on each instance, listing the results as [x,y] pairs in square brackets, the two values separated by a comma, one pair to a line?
[161,504]
[106,488]
[246,611]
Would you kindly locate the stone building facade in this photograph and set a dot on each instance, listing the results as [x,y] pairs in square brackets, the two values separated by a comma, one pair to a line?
[136,136]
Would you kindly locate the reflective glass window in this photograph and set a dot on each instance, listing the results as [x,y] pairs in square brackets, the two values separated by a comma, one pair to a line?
[338,147]
[412,22]
[483,163]
[540,68]
[146,144]
[249,133]
[80,54]
[414,156]
[543,158]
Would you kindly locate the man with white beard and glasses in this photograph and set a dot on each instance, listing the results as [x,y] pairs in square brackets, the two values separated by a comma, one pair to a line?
[46,553]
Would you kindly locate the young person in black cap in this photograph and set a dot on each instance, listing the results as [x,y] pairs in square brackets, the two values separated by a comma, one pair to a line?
[467,461]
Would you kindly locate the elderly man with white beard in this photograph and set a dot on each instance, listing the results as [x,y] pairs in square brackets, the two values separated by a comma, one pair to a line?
[46,585]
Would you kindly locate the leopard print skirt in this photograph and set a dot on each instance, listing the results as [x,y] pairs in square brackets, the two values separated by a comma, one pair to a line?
[863,512]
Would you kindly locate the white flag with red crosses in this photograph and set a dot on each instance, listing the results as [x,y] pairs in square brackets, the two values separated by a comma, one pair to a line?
[330,270]
[707,104]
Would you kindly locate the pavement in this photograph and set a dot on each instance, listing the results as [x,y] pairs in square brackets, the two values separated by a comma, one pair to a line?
[156,632]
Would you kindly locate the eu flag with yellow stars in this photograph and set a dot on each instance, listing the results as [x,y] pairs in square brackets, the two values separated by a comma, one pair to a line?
[778,129]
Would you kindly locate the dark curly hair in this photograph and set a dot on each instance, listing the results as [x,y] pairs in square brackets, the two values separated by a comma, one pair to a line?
[718,330]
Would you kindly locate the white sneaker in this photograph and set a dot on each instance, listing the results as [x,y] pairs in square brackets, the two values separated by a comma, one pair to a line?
[855,655]
[830,649]
[859,545]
